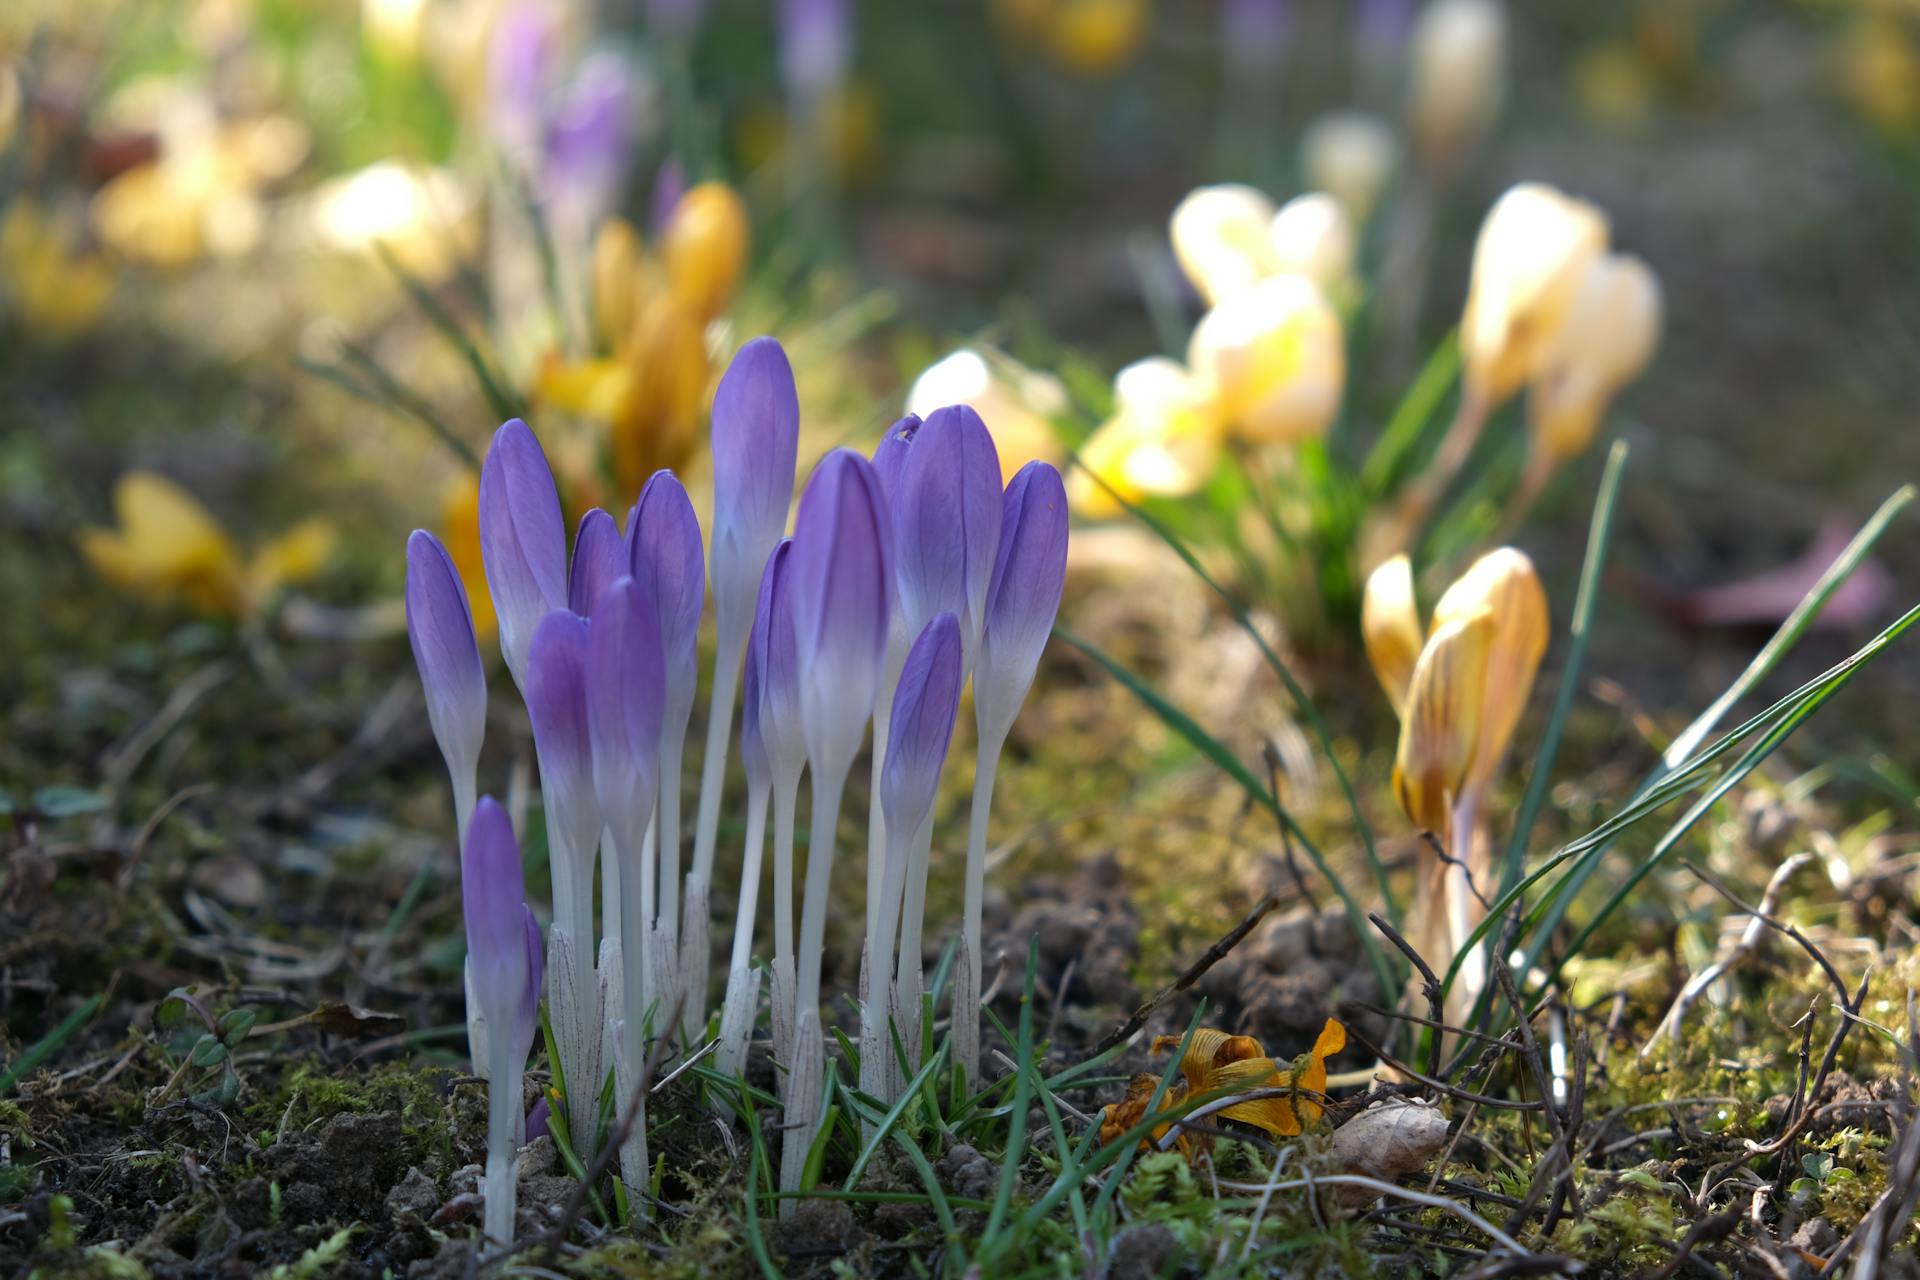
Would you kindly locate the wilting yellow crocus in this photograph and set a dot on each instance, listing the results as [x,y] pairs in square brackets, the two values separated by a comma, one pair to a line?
[1016,403]
[1312,236]
[1606,338]
[1162,441]
[657,422]
[1222,238]
[1273,359]
[619,274]
[704,248]
[60,293]
[168,548]
[460,533]
[1215,1061]
[1457,77]
[1458,706]
[1528,262]
[1350,155]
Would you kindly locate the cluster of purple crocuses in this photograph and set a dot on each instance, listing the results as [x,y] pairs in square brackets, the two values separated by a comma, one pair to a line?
[905,576]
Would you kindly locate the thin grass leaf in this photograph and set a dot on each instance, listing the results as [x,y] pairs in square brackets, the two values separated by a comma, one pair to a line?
[1411,418]
[1216,751]
[43,1048]
[757,1176]
[505,404]
[893,1116]
[1017,1130]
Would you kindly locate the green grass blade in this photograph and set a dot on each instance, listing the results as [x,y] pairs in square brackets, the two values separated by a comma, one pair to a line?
[1411,417]
[43,1048]
[1016,1151]
[908,1097]
[505,405]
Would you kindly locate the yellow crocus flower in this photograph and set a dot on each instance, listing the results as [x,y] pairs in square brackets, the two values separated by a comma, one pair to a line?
[1605,340]
[1390,627]
[704,248]
[460,534]
[1015,402]
[1163,440]
[619,281]
[1222,238]
[1274,360]
[1097,37]
[60,293]
[1440,730]
[1457,76]
[657,421]
[1352,156]
[1528,262]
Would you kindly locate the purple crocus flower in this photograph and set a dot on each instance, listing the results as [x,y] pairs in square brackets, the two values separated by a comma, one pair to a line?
[557,703]
[493,897]
[1024,596]
[440,629]
[946,512]
[1253,33]
[537,1126]
[523,541]
[816,46]
[521,61]
[675,17]
[841,562]
[669,563]
[589,139]
[775,667]
[599,556]
[669,184]
[628,680]
[924,707]
[891,453]
[756,440]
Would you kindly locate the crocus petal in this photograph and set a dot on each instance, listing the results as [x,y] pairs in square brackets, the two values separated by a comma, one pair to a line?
[590,138]
[925,703]
[753,748]
[627,675]
[599,556]
[523,541]
[1024,596]
[776,667]
[527,1017]
[947,513]
[1503,583]
[557,704]
[756,439]
[440,629]
[890,455]
[840,565]
[493,899]
[1390,626]
[669,563]
[1442,721]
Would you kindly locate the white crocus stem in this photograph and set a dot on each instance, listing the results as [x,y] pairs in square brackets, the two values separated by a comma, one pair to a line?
[667,918]
[503,1106]
[966,989]
[785,796]
[635,990]
[910,980]
[898,643]
[573,990]
[803,1109]
[636,1168]
[876,1045]
[695,958]
[1460,887]
[736,1018]
[464,776]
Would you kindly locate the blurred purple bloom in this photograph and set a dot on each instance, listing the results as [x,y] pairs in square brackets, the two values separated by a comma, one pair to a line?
[440,629]
[669,563]
[1253,33]
[840,564]
[557,704]
[521,61]
[676,17]
[527,1021]
[493,897]
[947,512]
[756,440]
[816,46]
[1383,24]
[925,703]
[773,668]
[523,542]
[627,679]
[589,139]
[599,556]
[891,453]
[1024,598]
[669,184]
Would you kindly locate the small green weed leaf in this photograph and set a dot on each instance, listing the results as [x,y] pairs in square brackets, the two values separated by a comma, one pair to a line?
[234,1024]
[208,1051]
[56,802]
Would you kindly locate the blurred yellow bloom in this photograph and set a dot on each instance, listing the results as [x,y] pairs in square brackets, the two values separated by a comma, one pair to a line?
[657,423]
[1458,76]
[1312,236]
[1015,402]
[1441,723]
[704,248]
[1097,37]
[618,272]
[1880,68]
[423,216]
[1606,338]
[1390,627]
[1528,263]
[1613,84]
[460,534]
[1350,155]
[1163,440]
[1503,586]
[1273,359]
[1215,1061]
[1222,238]
[60,293]
[168,548]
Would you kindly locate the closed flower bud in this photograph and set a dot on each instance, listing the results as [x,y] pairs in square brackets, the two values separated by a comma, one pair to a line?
[1275,358]
[1350,155]
[1528,263]
[1163,440]
[1441,725]
[705,248]
[1390,625]
[627,678]
[669,564]
[655,419]
[1503,586]
[616,270]
[440,629]
[890,455]
[1015,402]
[1458,76]
[1313,237]
[1222,239]
[946,523]
[557,700]
[523,541]
[924,706]
[1606,339]
[599,556]
[1023,599]
[756,439]
[841,563]
[776,668]
[504,957]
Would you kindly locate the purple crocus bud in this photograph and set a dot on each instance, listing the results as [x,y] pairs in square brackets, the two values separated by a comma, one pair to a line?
[1253,33]
[756,439]
[1024,597]
[537,1126]
[669,184]
[891,453]
[675,17]
[816,46]
[521,60]
[669,563]
[753,747]
[589,140]
[625,673]
[440,629]
[841,560]
[557,704]
[599,556]
[775,668]
[493,896]
[924,705]
[527,1020]
[946,523]
[523,541]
